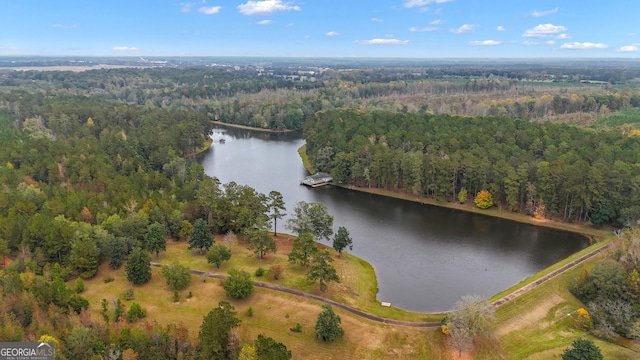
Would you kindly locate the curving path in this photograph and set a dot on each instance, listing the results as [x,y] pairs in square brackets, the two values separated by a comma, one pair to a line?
[423,324]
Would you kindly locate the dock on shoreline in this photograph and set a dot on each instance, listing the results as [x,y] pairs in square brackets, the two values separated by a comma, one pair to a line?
[317,179]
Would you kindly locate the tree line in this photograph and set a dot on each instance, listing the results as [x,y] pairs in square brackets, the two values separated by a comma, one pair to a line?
[564,171]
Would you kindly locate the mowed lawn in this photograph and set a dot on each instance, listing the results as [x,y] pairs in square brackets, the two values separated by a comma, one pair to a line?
[536,325]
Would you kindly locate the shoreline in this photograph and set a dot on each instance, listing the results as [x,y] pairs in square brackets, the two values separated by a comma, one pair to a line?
[205,146]
[217,122]
[591,233]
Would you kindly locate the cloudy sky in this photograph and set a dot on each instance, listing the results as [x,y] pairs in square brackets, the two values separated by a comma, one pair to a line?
[322,28]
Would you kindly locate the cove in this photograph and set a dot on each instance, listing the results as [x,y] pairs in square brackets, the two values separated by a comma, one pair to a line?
[425,257]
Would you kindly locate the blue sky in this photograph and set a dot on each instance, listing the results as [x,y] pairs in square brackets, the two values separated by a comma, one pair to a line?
[322,28]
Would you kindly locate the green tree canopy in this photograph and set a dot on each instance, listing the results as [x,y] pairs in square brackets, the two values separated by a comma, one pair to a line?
[200,238]
[342,240]
[312,218]
[260,242]
[238,284]
[218,254]
[177,276]
[138,267]
[269,349]
[582,349]
[156,238]
[275,204]
[322,270]
[302,249]
[214,331]
[327,326]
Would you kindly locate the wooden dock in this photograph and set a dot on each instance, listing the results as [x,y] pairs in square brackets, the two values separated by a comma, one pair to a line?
[317,179]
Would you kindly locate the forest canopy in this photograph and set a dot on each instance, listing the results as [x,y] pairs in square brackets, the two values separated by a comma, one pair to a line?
[577,174]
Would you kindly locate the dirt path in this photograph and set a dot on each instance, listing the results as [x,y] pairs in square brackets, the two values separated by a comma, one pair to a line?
[423,324]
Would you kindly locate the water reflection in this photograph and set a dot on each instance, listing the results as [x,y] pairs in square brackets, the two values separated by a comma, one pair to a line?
[425,257]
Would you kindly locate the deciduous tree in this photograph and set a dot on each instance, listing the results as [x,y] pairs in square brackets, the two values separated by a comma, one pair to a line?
[238,284]
[484,200]
[218,254]
[260,242]
[177,276]
[156,238]
[312,218]
[342,240]
[200,236]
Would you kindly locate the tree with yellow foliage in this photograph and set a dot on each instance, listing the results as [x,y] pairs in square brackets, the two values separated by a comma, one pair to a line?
[484,200]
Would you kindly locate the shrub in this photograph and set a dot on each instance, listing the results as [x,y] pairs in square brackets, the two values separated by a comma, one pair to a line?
[297,328]
[108,279]
[136,312]
[128,295]
[259,272]
[79,286]
[176,296]
[276,271]
[250,311]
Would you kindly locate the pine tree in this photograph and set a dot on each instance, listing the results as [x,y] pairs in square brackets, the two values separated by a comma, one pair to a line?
[138,267]
[328,325]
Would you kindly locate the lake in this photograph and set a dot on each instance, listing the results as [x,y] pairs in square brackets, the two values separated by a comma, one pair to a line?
[425,257]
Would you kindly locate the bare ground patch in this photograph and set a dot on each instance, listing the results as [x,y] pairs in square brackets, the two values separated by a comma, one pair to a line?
[532,316]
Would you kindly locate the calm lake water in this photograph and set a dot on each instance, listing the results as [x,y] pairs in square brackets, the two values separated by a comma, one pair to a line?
[425,257]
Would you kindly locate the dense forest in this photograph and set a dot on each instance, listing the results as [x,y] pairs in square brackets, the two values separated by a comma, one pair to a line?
[559,170]
[86,182]
[283,97]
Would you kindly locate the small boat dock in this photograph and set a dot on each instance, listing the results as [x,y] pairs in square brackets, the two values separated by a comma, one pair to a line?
[317,179]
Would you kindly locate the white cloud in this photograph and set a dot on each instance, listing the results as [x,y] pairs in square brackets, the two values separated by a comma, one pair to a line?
[630,48]
[332,33]
[631,35]
[266,7]
[61,26]
[537,13]
[125,48]
[424,29]
[464,29]
[484,43]
[421,3]
[382,42]
[436,22]
[307,36]
[210,10]
[186,7]
[264,22]
[500,28]
[377,20]
[583,46]
[563,36]
[544,31]
[537,43]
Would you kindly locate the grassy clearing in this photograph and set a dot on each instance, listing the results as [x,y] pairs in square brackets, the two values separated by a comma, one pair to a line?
[533,326]
[540,324]
[274,314]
